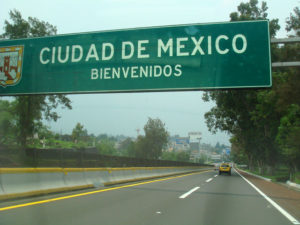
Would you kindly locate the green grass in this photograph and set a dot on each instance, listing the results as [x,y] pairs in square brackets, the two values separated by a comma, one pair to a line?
[57,144]
[281,174]
[297,178]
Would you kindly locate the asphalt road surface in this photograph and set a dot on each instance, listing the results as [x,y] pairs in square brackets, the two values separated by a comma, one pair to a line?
[199,199]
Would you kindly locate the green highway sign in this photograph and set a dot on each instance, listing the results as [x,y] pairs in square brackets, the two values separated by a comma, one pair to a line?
[183,57]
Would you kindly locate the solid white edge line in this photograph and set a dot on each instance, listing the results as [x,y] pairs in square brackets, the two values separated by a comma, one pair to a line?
[278,207]
[208,180]
[189,192]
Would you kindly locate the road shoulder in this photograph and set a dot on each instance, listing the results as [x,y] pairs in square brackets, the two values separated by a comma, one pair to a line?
[287,198]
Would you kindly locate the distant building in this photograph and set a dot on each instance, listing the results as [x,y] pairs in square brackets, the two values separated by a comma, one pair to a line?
[192,142]
[216,157]
[197,154]
[194,139]
[195,136]
[194,156]
[194,146]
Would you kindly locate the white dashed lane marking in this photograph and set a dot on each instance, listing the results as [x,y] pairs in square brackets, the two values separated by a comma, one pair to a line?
[189,192]
[209,180]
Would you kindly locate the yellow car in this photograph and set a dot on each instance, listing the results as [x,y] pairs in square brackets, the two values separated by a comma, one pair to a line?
[225,168]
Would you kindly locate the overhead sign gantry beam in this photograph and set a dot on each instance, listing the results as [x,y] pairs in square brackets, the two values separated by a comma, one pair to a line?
[170,58]
[290,40]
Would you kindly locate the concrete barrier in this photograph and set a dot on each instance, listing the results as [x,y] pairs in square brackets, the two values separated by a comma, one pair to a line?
[294,185]
[254,175]
[1,186]
[74,177]
[96,176]
[23,182]
[19,182]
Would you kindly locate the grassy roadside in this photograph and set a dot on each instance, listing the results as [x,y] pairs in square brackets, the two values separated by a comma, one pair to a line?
[297,179]
[281,175]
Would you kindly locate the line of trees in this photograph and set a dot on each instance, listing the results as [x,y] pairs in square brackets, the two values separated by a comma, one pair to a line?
[29,110]
[264,124]
[149,146]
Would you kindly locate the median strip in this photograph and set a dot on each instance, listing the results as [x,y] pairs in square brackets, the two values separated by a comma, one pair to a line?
[91,192]
[54,180]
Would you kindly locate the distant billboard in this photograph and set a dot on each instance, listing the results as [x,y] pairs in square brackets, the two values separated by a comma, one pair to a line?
[195,137]
[215,157]
[228,150]
[182,141]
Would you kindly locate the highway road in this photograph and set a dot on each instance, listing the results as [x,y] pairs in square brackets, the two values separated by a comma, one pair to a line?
[202,198]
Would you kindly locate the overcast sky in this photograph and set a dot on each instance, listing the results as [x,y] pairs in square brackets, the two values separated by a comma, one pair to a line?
[114,114]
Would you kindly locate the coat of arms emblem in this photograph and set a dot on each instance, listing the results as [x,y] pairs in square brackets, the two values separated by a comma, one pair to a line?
[10,65]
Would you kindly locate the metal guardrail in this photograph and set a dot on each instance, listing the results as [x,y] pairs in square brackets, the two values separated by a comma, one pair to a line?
[291,40]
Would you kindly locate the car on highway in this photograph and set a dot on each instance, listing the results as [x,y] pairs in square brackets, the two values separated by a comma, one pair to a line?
[225,168]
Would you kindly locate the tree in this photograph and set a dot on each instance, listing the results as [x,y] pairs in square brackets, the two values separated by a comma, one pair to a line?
[265,124]
[235,109]
[176,156]
[155,139]
[289,138]
[171,156]
[44,131]
[31,109]
[107,147]
[232,114]
[183,157]
[7,122]
[127,147]
[293,22]
[219,148]
[78,133]
[289,100]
